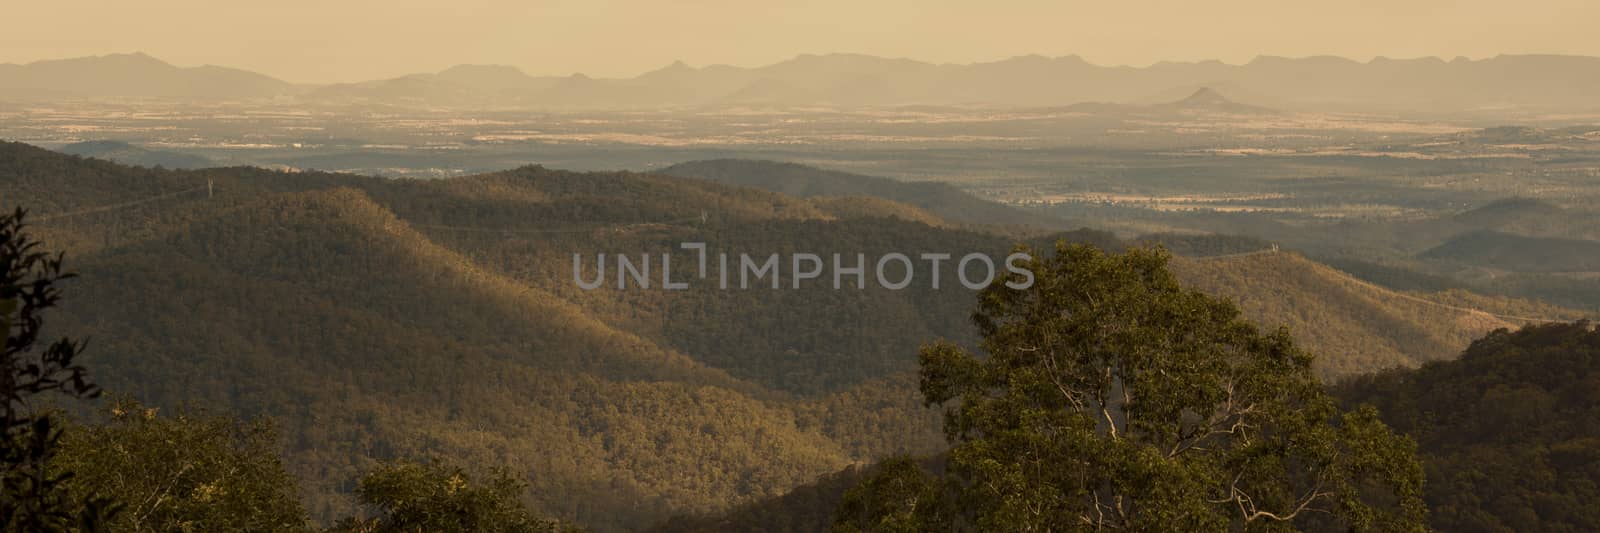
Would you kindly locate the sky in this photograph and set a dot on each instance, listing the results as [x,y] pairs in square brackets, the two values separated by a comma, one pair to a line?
[321,41]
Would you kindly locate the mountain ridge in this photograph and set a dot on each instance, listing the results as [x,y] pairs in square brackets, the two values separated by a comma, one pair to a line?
[135,75]
[1317,83]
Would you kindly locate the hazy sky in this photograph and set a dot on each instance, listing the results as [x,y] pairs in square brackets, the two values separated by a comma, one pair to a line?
[347,40]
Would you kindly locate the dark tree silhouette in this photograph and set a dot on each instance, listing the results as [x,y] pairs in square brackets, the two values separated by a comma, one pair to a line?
[32,498]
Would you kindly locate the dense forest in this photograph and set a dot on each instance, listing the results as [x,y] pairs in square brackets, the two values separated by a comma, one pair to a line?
[1109,396]
[1509,432]
[385,330]
[1506,435]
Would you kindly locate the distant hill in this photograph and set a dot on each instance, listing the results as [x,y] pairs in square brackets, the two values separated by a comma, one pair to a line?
[1518,253]
[129,154]
[1504,211]
[1518,135]
[134,75]
[1406,240]
[461,85]
[940,199]
[1353,326]
[1206,99]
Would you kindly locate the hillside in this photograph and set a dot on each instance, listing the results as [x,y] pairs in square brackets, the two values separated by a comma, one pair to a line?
[1516,216]
[845,207]
[1518,253]
[325,310]
[1504,211]
[367,342]
[1353,326]
[807,341]
[1507,432]
[1509,216]
[377,318]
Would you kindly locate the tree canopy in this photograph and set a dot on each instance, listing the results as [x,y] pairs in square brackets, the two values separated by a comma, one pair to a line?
[431,496]
[1112,397]
[186,472]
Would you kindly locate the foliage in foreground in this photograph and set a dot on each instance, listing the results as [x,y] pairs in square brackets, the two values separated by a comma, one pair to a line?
[1112,397]
[433,497]
[32,496]
[216,473]
[183,473]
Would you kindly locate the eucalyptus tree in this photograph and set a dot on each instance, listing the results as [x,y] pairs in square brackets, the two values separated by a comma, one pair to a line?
[1111,397]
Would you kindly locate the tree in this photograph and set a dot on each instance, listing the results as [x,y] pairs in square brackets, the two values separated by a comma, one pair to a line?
[184,472]
[433,497]
[898,496]
[1113,398]
[33,497]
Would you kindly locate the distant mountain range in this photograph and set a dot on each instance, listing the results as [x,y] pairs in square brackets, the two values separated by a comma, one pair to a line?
[1320,83]
[134,75]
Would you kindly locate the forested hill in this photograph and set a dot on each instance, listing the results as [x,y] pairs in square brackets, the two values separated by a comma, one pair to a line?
[1519,253]
[805,181]
[375,319]
[1507,432]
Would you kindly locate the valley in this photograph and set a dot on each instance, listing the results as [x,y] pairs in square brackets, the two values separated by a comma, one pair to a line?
[358,314]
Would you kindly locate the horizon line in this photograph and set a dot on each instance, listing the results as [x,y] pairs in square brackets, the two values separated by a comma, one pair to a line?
[803,55]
